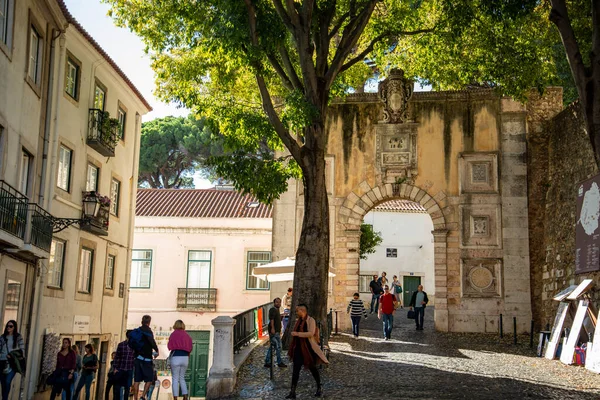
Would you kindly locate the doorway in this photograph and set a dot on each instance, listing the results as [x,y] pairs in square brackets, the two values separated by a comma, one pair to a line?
[411,284]
[197,371]
[101,374]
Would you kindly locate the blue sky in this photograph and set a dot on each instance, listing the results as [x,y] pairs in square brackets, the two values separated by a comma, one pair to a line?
[125,48]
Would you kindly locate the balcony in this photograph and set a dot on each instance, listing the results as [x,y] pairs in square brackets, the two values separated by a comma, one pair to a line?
[189,299]
[103,132]
[97,224]
[13,215]
[41,225]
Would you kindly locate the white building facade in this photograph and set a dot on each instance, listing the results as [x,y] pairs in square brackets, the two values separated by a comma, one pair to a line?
[407,248]
[193,256]
[70,123]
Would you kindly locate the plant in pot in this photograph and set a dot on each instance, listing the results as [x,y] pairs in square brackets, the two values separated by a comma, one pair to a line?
[108,129]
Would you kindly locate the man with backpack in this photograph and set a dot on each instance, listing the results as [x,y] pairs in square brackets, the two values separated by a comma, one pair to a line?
[141,340]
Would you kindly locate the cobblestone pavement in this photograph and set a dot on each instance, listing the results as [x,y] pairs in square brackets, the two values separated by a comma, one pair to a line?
[424,365]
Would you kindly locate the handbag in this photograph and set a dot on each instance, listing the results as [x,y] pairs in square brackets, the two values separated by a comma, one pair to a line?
[411,314]
[169,360]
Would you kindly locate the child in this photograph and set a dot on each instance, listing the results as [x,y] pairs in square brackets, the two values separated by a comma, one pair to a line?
[356,308]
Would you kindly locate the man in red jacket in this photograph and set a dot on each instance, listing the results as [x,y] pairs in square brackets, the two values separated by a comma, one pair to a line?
[387,303]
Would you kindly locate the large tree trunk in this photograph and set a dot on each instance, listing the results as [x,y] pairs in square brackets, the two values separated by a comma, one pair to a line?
[312,256]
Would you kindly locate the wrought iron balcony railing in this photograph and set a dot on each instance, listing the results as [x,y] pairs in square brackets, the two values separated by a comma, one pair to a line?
[42,225]
[193,299]
[103,132]
[13,210]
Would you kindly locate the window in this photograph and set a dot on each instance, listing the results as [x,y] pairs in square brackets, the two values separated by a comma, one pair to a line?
[6,16]
[115,187]
[85,271]
[99,98]
[198,273]
[363,283]
[63,180]
[256,258]
[34,69]
[110,272]
[25,172]
[141,269]
[391,253]
[72,84]
[122,116]
[91,184]
[56,263]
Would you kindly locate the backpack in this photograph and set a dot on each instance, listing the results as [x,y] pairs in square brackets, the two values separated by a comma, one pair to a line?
[136,340]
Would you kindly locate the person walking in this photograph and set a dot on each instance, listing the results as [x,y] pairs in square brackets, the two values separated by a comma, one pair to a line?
[110,377]
[88,371]
[376,291]
[77,372]
[141,340]
[65,368]
[123,369]
[356,309]
[11,347]
[274,334]
[286,303]
[388,305]
[383,280]
[419,301]
[180,345]
[397,290]
[304,350]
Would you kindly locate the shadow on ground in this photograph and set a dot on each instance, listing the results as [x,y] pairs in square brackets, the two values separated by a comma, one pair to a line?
[423,365]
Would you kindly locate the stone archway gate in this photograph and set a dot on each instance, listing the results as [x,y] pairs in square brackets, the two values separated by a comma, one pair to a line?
[462,155]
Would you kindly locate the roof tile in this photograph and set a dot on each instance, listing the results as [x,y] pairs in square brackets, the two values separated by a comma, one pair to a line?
[400,206]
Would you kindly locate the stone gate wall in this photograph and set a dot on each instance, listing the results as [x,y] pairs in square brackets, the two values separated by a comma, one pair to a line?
[560,157]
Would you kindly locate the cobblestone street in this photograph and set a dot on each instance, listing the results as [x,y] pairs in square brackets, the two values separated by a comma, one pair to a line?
[424,365]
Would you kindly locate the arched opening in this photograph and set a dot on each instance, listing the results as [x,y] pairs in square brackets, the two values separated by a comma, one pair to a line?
[347,263]
[406,251]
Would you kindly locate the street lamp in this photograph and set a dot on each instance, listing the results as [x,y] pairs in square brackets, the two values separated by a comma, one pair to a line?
[91,206]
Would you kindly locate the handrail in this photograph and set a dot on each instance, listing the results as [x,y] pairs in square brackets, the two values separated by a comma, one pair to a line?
[246,326]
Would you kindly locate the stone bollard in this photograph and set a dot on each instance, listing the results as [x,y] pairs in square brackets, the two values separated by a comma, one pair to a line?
[222,374]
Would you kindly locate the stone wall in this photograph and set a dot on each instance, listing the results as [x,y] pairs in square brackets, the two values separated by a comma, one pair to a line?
[564,144]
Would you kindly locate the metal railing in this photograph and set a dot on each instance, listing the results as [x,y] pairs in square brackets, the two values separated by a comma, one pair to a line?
[102,135]
[246,326]
[41,227]
[13,210]
[197,299]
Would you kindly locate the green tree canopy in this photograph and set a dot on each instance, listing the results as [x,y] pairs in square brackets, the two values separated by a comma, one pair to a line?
[369,240]
[173,148]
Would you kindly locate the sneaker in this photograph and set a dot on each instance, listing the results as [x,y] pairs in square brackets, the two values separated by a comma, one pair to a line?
[267,365]
[282,365]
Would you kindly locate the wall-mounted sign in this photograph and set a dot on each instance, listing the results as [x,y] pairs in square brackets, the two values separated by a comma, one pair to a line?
[121,289]
[81,324]
[587,230]
[391,253]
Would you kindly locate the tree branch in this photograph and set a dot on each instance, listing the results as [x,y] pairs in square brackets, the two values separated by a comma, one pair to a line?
[338,25]
[291,71]
[285,17]
[560,17]
[279,69]
[595,31]
[350,36]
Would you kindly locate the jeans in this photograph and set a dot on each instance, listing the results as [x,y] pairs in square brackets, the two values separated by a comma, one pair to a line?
[6,381]
[419,315]
[179,364]
[284,322]
[73,383]
[388,324]
[120,391]
[355,322]
[375,302]
[274,342]
[85,380]
[57,389]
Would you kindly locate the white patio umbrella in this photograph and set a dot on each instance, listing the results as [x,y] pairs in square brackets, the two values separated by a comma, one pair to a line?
[278,271]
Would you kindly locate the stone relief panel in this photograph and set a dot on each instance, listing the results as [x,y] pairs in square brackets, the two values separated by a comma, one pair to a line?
[395,92]
[478,172]
[481,277]
[396,151]
[480,225]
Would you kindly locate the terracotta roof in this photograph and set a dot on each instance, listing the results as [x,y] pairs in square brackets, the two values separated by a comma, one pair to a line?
[198,203]
[400,206]
[100,50]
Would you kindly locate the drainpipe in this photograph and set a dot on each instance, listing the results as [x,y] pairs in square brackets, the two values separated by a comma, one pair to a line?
[134,176]
[46,193]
